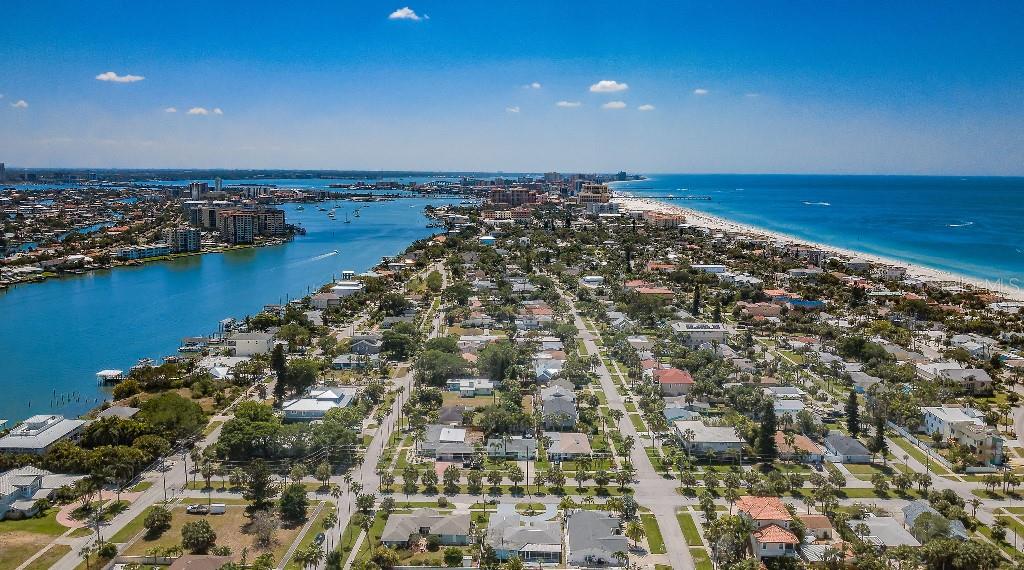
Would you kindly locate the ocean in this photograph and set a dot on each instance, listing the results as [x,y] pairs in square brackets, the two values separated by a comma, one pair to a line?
[968,226]
[57,334]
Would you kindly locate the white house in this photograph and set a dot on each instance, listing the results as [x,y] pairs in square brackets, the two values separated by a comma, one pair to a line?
[21,488]
[347,288]
[700,438]
[37,434]
[317,401]
[251,343]
[696,334]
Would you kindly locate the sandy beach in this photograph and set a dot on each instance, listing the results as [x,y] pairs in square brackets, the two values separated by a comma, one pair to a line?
[712,222]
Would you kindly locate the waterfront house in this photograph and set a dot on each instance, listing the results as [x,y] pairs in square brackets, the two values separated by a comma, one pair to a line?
[324,300]
[532,541]
[593,538]
[402,529]
[37,434]
[251,343]
[317,402]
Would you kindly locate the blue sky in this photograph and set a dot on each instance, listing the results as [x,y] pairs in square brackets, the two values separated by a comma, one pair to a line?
[727,86]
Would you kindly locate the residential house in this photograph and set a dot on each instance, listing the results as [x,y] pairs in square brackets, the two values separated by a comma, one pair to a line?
[317,401]
[452,529]
[695,334]
[20,489]
[593,538]
[673,381]
[772,520]
[558,407]
[918,507]
[324,300]
[884,532]
[445,443]
[566,446]
[516,448]
[967,427]
[365,343]
[470,387]
[818,526]
[353,361]
[802,449]
[37,434]
[699,438]
[532,541]
[251,343]
[846,449]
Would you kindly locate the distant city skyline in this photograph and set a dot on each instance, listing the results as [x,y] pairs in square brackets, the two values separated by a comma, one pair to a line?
[739,87]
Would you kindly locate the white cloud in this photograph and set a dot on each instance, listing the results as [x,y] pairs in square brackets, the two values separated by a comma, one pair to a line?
[111,76]
[407,13]
[534,85]
[700,91]
[20,104]
[614,105]
[647,107]
[512,109]
[567,104]
[608,86]
[198,111]
[217,111]
[170,110]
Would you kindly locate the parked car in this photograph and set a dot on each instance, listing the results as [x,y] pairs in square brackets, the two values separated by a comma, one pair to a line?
[197,510]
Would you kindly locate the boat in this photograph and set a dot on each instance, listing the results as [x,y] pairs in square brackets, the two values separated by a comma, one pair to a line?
[300,207]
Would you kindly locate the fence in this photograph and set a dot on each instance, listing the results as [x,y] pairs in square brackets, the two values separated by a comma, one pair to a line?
[921,445]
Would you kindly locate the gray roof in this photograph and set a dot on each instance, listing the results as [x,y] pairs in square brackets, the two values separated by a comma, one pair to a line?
[592,535]
[885,531]
[506,531]
[39,432]
[512,445]
[845,445]
[119,411]
[968,375]
[432,442]
[400,527]
[919,507]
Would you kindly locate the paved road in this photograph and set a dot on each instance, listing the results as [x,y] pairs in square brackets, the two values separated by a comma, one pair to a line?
[652,490]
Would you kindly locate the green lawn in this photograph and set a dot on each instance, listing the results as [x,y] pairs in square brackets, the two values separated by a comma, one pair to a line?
[654,538]
[46,524]
[689,528]
[129,530]
[638,424]
[701,559]
[141,486]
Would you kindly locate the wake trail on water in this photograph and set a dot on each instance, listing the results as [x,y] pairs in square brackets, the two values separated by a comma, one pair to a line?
[324,255]
[960,225]
[806,203]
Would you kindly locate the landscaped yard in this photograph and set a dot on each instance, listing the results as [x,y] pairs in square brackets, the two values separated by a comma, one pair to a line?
[48,558]
[701,559]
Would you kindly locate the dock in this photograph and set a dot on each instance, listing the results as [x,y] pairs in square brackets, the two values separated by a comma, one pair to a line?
[109,376]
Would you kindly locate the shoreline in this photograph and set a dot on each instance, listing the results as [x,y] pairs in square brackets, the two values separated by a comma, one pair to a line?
[710,221]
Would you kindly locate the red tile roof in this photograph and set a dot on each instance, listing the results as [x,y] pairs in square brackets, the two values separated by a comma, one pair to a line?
[774,533]
[763,508]
[672,376]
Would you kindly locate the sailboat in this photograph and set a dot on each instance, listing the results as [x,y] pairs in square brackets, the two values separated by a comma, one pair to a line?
[347,221]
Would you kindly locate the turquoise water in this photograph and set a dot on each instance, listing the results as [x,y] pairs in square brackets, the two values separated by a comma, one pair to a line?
[969,226]
[57,334]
